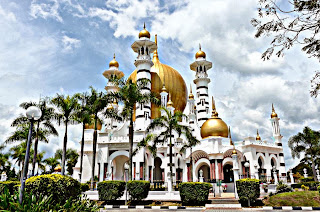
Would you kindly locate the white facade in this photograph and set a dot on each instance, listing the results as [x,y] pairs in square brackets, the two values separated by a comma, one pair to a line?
[214,155]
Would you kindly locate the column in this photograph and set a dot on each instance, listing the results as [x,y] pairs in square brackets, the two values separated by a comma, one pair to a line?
[212,169]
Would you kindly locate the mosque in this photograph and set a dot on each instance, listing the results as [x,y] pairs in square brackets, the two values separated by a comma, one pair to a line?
[216,158]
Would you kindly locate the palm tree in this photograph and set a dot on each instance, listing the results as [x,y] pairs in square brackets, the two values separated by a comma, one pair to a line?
[83,116]
[45,122]
[67,107]
[308,144]
[18,153]
[129,94]
[4,158]
[52,162]
[191,142]
[40,161]
[71,158]
[168,124]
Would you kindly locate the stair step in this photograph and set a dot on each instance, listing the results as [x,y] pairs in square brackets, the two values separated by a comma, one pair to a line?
[233,206]
[224,201]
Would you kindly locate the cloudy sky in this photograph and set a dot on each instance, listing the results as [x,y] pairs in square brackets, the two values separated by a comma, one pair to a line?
[63,46]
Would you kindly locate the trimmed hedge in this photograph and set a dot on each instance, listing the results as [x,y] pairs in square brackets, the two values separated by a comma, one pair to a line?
[248,190]
[12,186]
[111,190]
[84,187]
[311,184]
[60,187]
[138,189]
[194,193]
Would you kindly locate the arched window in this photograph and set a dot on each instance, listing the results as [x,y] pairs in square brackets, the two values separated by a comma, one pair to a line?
[142,50]
[147,52]
[200,68]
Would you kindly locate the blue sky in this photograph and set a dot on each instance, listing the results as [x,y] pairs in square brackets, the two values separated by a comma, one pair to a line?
[64,46]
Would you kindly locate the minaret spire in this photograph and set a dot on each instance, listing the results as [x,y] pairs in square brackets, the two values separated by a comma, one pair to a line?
[155,53]
[214,111]
[199,46]
[231,142]
[258,138]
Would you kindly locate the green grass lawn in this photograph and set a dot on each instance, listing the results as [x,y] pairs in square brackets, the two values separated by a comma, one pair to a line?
[297,198]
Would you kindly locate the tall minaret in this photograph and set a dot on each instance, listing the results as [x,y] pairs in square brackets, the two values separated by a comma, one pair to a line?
[192,115]
[201,66]
[143,47]
[112,72]
[164,98]
[277,138]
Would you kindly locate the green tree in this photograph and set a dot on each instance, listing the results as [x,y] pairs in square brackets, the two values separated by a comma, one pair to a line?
[130,94]
[84,117]
[170,123]
[308,144]
[40,161]
[298,24]
[71,158]
[67,107]
[44,123]
[191,141]
[52,162]
[4,158]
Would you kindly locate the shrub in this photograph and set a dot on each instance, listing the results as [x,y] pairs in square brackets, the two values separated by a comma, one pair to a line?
[248,190]
[12,186]
[84,187]
[305,188]
[318,188]
[194,193]
[138,189]
[296,189]
[282,187]
[111,190]
[306,179]
[60,187]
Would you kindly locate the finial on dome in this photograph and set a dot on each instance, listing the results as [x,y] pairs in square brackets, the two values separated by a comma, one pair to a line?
[258,138]
[155,53]
[170,103]
[191,96]
[164,89]
[200,53]
[114,63]
[110,107]
[144,33]
[231,142]
[274,114]
[214,112]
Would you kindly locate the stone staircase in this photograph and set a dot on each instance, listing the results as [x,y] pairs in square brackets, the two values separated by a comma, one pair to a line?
[228,202]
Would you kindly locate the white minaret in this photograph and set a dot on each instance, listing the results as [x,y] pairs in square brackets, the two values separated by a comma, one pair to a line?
[164,98]
[192,115]
[143,47]
[201,66]
[278,141]
[112,72]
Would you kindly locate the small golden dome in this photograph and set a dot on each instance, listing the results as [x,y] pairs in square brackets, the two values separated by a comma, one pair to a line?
[258,138]
[114,63]
[170,103]
[214,126]
[58,168]
[200,53]
[163,88]
[115,102]
[191,96]
[110,107]
[234,151]
[91,126]
[274,114]
[144,33]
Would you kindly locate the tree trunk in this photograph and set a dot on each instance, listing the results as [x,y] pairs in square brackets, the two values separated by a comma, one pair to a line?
[191,165]
[130,146]
[64,151]
[35,150]
[95,137]
[81,153]
[314,170]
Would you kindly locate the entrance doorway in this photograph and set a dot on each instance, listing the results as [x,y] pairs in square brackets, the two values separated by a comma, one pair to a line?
[228,173]
[205,172]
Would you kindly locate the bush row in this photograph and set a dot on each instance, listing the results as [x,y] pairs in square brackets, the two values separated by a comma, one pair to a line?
[12,186]
[311,184]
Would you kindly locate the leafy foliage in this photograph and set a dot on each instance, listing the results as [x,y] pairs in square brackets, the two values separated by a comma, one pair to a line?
[60,187]
[84,187]
[138,189]
[194,193]
[10,185]
[111,190]
[297,198]
[306,143]
[282,187]
[248,190]
[298,25]
[71,158]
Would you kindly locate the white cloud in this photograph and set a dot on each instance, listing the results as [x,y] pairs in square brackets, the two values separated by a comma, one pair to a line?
[49,9]
[69,44]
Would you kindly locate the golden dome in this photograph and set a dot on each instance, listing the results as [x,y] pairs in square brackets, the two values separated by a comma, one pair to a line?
[174,82]
[109,107]
[234,151]
[170,103]
[144,33]
[58,168]
[214,126]
[91,126]
[114,63]
[191,96]
[200,53]
[274,114]
[258,138]
[163,88]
